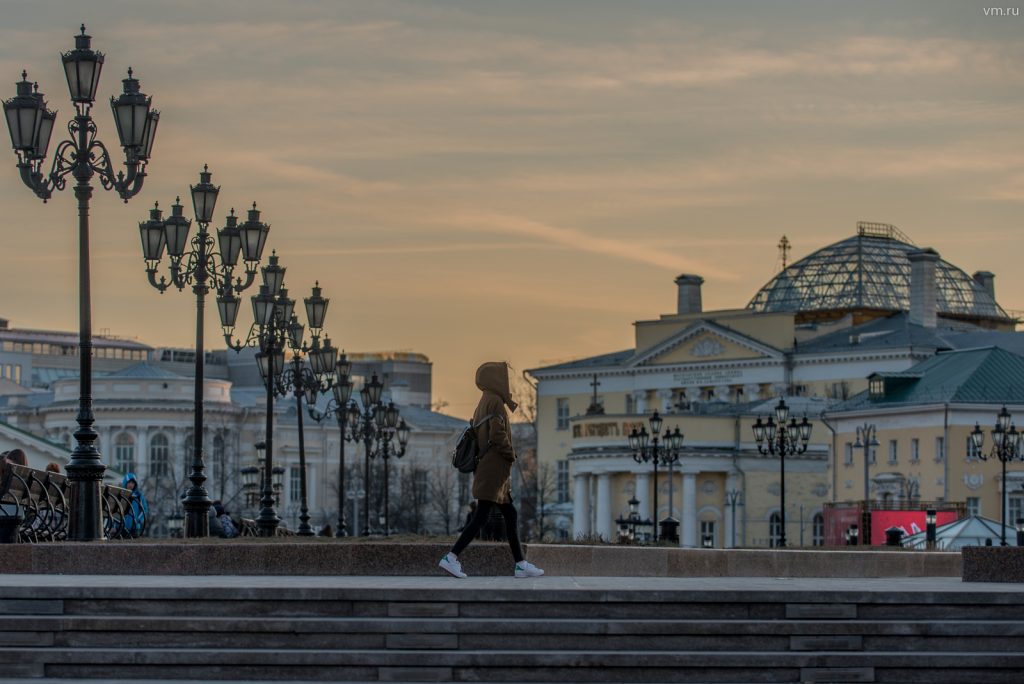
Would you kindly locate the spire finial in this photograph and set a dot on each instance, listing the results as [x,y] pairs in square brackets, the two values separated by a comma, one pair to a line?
[232,212]
[254,205]
[24,74]
[130,72]
[83,29]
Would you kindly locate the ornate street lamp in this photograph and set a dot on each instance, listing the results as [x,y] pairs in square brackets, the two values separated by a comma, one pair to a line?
[646,448]
[272,311]
[338,406]
[203,268]
[307,380]
[362,426]
[1006,446]
[82,156]
[866,439]
[774,437]
[388,430]
[929,526]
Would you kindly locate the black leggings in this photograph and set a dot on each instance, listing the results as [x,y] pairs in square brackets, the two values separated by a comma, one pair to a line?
[483,511]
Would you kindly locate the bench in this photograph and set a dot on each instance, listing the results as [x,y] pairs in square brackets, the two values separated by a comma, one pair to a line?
[34,507]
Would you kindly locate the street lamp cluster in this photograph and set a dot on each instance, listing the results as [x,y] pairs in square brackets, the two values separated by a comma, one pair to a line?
[203,267]
[664,452]
[1007,445]
[82,156]
[775,437]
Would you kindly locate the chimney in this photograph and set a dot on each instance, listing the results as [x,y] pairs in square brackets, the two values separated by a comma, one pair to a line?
[987,280]
[689,293]
[922,286]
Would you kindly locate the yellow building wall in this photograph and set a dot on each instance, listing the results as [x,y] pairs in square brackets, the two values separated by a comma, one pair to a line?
[684,352]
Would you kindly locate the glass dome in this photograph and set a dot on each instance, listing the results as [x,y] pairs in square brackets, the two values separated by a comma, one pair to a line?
[869,272]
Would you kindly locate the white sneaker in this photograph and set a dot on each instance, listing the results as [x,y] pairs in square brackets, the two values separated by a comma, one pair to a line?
[452,566]
[528,569]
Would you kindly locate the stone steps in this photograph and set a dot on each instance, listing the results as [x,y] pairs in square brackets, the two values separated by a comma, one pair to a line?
[501,630]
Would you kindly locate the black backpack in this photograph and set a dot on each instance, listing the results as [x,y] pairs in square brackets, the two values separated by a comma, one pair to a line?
[467,453]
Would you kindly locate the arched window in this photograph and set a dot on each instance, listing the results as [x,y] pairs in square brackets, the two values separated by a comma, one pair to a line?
[187,458]
[217,464]
[775,530]
[124,453]
[818,530]
[159,456]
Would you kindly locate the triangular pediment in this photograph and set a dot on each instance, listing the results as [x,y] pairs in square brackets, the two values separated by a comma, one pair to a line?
[705,342]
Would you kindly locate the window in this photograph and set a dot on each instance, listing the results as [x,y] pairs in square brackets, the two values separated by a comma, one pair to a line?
[216,461]
[973,454]
[159,452]
[915,450]
[563,414]
[892,452]
[124,453]
[775,530]
[940,448]
[818,530]
[707,533]
[876,387]
[419,484]
[295,484]
[973,505]
[1014,508]
[848,454]
[562,481]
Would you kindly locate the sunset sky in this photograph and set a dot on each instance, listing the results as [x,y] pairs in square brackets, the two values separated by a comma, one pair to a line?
[522,180]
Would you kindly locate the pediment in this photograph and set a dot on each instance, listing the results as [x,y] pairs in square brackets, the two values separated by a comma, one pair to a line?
[705,342]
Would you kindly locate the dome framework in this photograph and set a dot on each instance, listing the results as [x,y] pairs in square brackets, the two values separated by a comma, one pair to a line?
[868,275]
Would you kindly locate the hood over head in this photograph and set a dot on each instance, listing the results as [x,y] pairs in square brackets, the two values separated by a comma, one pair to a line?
[129,477]
[493,377]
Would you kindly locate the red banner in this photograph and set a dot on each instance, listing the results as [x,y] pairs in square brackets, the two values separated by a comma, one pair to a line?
[911,522]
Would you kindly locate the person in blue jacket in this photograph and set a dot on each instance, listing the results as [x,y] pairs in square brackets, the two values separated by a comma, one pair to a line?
[135,520]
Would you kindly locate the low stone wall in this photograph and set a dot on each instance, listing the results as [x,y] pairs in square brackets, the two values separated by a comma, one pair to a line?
[327,557]
[993,564]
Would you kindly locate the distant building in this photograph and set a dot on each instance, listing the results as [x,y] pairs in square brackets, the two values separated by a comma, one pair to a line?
[872,303]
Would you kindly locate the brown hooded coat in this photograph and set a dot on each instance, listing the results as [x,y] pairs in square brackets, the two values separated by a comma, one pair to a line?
[492,479]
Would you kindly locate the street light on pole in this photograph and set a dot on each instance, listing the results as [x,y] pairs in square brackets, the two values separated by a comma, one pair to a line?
[1006,446]
[733,498]
[775,437]
[362,426]
[866,439]
[82,156]
[647,448]
[204,268]
[338,407]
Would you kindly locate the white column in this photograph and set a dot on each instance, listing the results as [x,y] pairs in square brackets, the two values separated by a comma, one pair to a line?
[640,401]
[643,495]
[604,507]
[581,505]
[688,538]
[731,513]
[142,454]
[665,400]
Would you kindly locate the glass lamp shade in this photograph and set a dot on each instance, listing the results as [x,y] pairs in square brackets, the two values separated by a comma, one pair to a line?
[977,437]
[854,531]
[46,120]
[254,239]
[262,307]
[633,504]
[229,239]
[227,306]
[1004,419]
[403,433]
[146,150]
[176,227]
[759,429]
[316,308]
[353,417]
[131,114]
[1020,525]
[278,475]
[378,416]
[312,391]
[204,196]
[295,332]
[645,438]
[82,67]
[323,359]
[874,440]
[655,421]
[858,444]
[284,308]
[376,387]
[24,114]
[342,390]
[805,430]
[273,272]
[634,440]
[344,365]
[781,412]
[677,439]
[770,428]
[793,431]
[249,475]
[154,238]
[391,415]
[929,517]
[364,397]
[997,436]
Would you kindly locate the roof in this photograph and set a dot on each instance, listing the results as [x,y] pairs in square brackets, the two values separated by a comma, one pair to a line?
[600,361]
[67,338]
[971,531]
[989,375]
[145,370]
[870,271]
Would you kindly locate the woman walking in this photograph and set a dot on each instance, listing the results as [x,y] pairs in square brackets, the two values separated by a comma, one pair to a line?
[492,481]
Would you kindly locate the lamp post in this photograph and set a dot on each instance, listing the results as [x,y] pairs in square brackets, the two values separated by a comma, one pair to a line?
[929,528]
[1006,446]
[388,428]
[307,380]
[362,427]
[82,156]
[203,268]
[775,437]
[1020,531]
[272,311]
[339,407]
[646,448]
[733,498]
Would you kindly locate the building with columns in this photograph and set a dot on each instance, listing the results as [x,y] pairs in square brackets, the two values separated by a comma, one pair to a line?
[871,303]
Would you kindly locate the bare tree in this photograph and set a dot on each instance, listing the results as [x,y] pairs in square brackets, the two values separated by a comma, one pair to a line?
[442,495]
